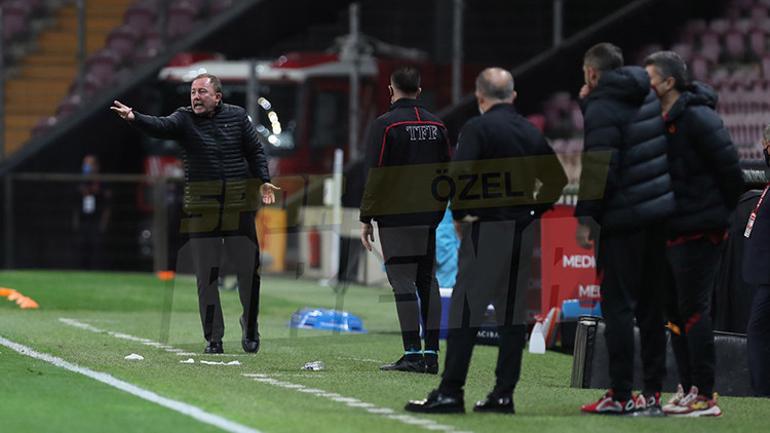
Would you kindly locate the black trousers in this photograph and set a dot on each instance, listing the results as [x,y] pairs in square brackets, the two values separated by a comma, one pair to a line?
[220,252]
[759,341]
[693,267]
[488,272]
[410,264]
[631,266]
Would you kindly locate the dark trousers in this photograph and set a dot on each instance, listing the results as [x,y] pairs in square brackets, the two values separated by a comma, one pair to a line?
[693,267]
[631,265]
[488,272]
[410,264]
[90,242]
[350,257]
[217,252]
[759,341]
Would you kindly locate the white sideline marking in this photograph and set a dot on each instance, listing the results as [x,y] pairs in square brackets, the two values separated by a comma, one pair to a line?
[361,359]
[355,403]
[144,341]
[263,378]
[175,405]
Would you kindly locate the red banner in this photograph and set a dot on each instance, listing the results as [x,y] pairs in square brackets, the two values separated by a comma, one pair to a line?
[568,271]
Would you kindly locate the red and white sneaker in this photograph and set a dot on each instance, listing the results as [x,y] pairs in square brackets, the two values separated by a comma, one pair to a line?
[696,405]
[700,405]
[607,405]
[673,404]
[651,406]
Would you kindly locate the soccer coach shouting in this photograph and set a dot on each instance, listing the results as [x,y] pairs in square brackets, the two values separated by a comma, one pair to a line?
[223,162]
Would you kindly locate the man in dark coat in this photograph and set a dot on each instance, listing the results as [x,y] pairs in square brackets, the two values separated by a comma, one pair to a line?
[223,161]
[406,136]
[625,189]
[507,156]
[707,183]
[756,271]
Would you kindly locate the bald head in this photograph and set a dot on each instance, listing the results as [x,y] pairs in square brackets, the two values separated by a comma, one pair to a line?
[495,84]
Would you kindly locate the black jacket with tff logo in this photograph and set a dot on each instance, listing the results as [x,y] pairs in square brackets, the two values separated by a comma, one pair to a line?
[398,143]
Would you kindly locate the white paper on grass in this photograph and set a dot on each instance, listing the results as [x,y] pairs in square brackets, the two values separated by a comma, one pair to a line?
[220,363]
[134,357]
[187,361]
[537,339]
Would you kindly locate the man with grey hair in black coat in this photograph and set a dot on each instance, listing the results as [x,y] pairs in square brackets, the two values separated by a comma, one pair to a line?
[509,157]
[625,191]
[224,164]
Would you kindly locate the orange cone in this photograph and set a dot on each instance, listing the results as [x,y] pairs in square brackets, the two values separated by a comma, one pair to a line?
[29,304]
[166,275]
[6,292]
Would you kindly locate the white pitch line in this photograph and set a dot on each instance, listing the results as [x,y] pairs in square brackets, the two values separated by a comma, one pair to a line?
[411,420]
[145,341]
[361,359]
[175,405]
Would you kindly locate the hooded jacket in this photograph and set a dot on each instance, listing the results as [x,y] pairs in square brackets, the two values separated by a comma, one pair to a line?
[706,176]
[624,138]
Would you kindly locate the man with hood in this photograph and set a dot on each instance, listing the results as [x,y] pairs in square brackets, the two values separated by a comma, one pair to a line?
[708,183]
[625,189]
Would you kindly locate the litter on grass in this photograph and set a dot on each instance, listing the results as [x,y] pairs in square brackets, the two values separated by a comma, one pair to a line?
[134,357]
[220,362]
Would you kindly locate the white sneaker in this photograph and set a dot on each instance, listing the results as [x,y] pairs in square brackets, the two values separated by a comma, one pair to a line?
[680,402]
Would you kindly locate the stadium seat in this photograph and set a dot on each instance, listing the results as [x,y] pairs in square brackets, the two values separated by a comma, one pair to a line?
[719,26]
[219,6]
[152,45]
[757,42]
[181,18]
[141,17]
[122,41]
[103,64]
[70,105]
[735,46]
[684,50]
[15,20]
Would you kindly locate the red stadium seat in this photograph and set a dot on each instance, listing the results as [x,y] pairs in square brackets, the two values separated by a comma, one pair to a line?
[122,41]
[219,6]
[141,16]
[181,18]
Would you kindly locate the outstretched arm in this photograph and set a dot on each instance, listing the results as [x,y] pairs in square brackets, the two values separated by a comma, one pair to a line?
[160,127]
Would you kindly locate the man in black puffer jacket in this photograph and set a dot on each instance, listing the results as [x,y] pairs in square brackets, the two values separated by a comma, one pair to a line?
[223,161]
[624,140]
[708,183]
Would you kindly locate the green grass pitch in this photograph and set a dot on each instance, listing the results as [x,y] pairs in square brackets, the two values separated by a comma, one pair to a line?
[36,396]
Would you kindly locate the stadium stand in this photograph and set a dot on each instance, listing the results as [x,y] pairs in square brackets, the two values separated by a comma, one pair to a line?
[121,35]
[730,53]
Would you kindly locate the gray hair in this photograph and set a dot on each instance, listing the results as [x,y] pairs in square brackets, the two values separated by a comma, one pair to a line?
[670,64]
[495,83]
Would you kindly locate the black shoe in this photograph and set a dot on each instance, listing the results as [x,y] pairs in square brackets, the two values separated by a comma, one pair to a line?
[250,345]
[495,404]
[431,364]
[214,347]
[411,364]
[437,403]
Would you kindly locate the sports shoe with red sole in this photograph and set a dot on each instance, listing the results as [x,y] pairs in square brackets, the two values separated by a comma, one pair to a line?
[607,405]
